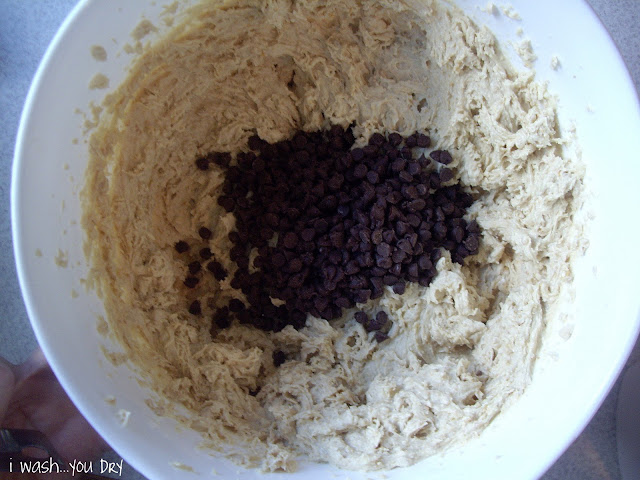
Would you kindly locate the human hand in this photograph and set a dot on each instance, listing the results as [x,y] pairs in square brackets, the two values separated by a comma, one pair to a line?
[32,398]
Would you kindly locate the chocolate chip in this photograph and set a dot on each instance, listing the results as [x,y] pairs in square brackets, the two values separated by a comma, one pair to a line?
[202,163]
[377,322]
[446,175]
[278,259]
[360,171]
[245,316]
[398,257]
[389,280]
[361,317]
[388,236]
[194,267]
[424,262]
[441,156]
[290,240]
[440,230]
[321,225]
[398,165]
[370,150]
[335,182]
[399,287]
[348,221]
[411,141]
[195,308]
[279,357]
[377,139]
[221,318]
[191,282]
[380,337]
[434,180]
[473,227]
[448,208]
[405,246]
[395,139]
[362,296]
[307,234]
[227,203]
[384,250]
[218,271]
[255,142]
[413,220]
[222,159]
[357,154]
[421,189]
[423,141]
[204,233]
[373,177]
[295,265]
[412,270]
[343,302]
[181,246]
[471,243]
[405,176]
[382,317]
[413,168]
[296,281]
[236,305]
[416,205]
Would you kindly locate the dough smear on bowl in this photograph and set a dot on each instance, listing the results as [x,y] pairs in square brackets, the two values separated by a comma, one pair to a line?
[459,350]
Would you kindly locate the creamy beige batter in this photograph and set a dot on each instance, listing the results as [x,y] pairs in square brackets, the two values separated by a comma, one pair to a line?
[458,350]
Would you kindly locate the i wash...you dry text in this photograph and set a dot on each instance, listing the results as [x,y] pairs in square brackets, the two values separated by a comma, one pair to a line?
[49,466]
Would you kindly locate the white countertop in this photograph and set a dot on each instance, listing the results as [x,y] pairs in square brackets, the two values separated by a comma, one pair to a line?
[26,28]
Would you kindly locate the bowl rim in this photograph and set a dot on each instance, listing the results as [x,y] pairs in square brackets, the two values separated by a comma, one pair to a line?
[27,292]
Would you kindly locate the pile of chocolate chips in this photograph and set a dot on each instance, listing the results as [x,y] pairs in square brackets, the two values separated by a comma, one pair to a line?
[331,226]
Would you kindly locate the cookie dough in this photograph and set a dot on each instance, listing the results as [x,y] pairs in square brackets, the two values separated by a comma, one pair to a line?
[458,351]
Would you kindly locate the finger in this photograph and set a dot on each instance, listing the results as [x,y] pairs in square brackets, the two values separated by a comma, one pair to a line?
[44,404]
[78,440]
[32,378]
[7,385]
[35,364]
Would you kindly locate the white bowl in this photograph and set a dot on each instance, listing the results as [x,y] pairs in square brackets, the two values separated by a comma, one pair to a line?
[594,90]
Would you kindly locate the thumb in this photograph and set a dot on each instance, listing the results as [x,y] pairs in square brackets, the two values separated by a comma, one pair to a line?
[7,386]
[35,364]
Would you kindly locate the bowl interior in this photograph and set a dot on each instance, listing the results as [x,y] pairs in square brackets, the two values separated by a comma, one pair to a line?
[571,377]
